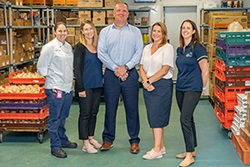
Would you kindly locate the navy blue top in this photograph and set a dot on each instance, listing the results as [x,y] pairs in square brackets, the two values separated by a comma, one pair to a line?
[92,73]
[189,76]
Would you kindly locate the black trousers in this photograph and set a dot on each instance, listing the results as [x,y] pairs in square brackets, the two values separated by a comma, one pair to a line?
[187,101]
[89,107]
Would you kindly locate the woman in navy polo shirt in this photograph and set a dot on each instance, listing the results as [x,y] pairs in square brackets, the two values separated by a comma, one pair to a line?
[191,82]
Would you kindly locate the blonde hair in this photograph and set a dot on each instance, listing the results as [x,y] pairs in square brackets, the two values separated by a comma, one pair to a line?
[82,37]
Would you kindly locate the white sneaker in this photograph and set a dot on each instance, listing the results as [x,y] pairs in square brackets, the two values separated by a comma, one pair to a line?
[95,143]
[152,155]
[89,148]
[163,150]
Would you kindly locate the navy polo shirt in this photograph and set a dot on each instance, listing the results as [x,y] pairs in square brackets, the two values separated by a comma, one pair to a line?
[189,73]
[92,73]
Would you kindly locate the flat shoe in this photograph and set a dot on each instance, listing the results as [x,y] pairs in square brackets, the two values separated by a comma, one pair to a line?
[152,155]
[183,155]
[186,162]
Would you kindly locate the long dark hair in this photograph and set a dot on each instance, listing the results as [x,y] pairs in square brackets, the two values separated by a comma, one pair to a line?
[195,36]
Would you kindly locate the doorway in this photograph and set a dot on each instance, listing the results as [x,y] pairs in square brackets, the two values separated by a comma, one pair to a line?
[173,17]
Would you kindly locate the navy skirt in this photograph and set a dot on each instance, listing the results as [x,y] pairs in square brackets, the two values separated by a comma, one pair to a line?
[158,103]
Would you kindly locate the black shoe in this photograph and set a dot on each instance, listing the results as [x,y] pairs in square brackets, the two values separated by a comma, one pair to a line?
[70,145]
[59,154]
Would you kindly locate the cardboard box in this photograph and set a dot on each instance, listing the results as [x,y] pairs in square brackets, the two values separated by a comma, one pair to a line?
[110,13]
[99,17]
[71,39]
[90,3]
[110,20]
[224,21]
[99,13]
[71,21]
[84,14]
[111,3]
[71,31]
[213,34]
[82,19]
[98,20]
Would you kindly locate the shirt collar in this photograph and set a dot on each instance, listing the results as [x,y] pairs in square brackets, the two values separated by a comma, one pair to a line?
[114,26]
[59,42]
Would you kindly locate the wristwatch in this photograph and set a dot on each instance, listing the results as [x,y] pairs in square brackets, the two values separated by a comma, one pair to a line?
[126,67]
[148,82]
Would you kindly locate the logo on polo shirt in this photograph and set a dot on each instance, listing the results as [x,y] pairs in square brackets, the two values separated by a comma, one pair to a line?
[189,54]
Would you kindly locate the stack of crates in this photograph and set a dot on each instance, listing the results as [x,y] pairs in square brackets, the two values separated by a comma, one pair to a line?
[232,73]
[241,138]
[23,105]
[217,22]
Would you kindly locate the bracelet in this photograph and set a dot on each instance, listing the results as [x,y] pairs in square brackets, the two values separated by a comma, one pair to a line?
[204,88]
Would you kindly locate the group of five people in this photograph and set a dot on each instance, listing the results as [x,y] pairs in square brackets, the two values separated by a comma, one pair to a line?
[120,48]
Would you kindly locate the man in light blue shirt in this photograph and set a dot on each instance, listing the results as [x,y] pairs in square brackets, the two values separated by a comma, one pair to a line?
[120,48]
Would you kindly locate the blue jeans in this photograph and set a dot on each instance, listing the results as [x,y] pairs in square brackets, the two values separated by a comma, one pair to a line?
[58,112]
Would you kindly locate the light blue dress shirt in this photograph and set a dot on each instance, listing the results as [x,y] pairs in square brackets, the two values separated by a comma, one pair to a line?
[120,46]
[56,64]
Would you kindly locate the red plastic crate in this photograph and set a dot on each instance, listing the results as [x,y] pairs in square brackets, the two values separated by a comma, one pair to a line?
[229,93]
[225,119]
[232,82]
[226,106]
[43,113]
[22,96]
[24,80]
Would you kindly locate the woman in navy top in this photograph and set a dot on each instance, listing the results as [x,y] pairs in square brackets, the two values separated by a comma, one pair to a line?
[88,74]
[192,78]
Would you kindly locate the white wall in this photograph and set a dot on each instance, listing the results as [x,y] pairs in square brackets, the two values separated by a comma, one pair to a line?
[157,13]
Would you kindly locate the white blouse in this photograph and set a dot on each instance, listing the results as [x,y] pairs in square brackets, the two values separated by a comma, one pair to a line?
[153,63]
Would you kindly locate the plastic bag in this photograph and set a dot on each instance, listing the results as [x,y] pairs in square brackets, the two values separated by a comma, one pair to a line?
[235,26]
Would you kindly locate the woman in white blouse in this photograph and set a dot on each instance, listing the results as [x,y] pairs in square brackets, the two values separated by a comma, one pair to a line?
[156,70]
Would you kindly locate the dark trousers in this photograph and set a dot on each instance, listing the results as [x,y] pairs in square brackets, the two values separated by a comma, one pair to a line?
[187,101]
[58,112]
[89,107]
[129,89]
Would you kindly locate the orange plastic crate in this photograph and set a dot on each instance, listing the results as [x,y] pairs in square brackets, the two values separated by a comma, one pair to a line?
[229,93]
[24,80]
[225,119]
[42,2]
[58,2]
[22,96]
[43,113]
[71,2]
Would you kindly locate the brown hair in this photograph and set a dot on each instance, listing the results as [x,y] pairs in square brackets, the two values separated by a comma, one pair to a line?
[195,36]
[82,37]
[164,32]
[59,23]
